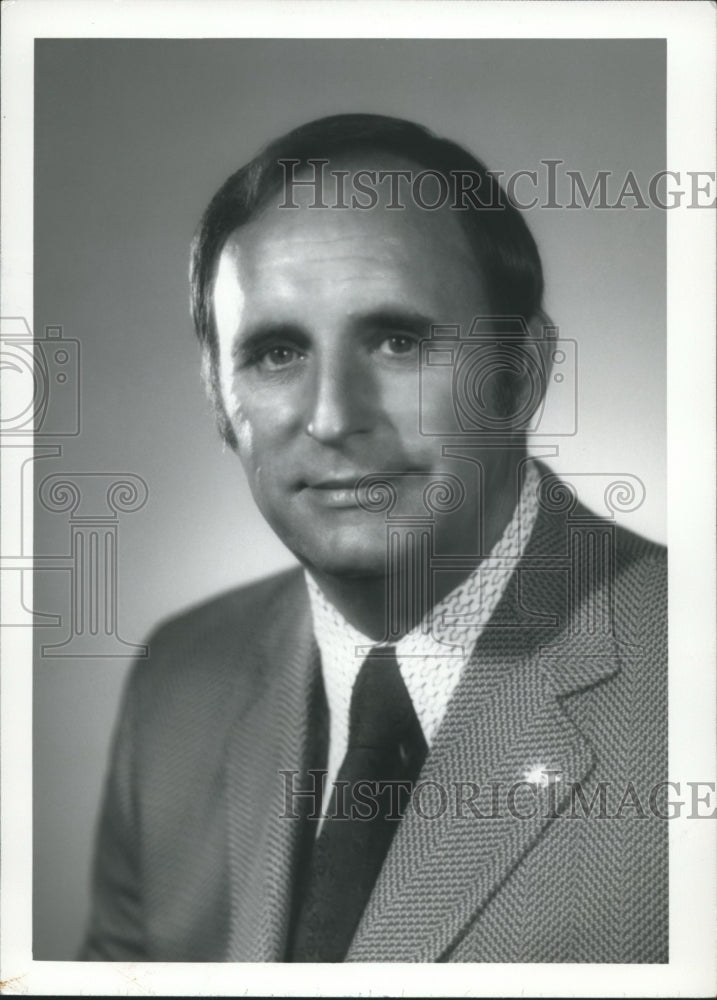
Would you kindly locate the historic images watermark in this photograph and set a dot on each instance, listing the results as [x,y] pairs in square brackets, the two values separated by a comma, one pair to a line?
[551,186]
[538,793]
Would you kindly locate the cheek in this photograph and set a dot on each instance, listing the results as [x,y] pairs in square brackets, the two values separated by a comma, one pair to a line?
[245,437]
[249,450]
[264,419]
[262,433]
[239,419]
[421,418]
[437,391]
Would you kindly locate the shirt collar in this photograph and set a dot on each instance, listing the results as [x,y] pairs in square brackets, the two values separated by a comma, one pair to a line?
[432,656]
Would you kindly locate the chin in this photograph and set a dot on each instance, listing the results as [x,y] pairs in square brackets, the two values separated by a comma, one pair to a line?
[349,562]
[340,546]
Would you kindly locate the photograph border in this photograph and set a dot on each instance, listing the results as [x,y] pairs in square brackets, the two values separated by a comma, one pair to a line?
[689,31]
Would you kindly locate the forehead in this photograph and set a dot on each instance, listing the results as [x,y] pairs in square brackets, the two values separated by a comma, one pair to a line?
[285,253]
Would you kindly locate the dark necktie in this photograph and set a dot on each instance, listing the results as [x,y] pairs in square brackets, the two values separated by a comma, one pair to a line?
[386,750]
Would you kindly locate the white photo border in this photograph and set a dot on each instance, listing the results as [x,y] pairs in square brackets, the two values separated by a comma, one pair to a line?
[689,31]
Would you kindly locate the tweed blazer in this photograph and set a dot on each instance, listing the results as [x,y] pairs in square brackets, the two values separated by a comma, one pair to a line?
[565,690]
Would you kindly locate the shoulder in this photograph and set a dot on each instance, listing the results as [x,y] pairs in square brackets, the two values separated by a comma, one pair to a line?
[618,581]
[632,568]
[610,568]
[206,657]
[565,524]
[640,565]
[640,568]
[223,617]
[636,548]
[639,596]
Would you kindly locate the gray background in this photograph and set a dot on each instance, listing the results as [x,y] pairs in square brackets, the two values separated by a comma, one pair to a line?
[131,140]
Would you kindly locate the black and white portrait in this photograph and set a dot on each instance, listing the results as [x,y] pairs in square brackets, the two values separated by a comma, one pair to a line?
[344,442]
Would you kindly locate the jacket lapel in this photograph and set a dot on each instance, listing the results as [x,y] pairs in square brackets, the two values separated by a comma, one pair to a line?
[270,735]
[506,727]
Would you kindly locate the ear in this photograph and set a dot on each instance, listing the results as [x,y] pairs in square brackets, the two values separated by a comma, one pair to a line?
[542,335]
[539,348]
[210,379]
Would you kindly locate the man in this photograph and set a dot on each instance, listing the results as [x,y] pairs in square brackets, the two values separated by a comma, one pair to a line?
[442,737]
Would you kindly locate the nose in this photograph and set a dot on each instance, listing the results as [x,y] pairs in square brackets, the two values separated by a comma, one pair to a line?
[343,400]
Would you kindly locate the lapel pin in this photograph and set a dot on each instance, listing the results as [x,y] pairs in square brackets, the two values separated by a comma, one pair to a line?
[541,775]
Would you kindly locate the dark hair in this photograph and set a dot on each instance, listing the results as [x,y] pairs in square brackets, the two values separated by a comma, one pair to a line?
[503,245]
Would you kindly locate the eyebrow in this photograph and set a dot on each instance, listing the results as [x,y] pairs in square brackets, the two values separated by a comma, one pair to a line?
[378,319]
[264,333]
[395,319]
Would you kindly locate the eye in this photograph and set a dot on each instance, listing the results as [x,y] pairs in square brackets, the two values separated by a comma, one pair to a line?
[277,357]
[399,345]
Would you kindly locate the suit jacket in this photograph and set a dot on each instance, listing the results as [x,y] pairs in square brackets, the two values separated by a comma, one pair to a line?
[195,863]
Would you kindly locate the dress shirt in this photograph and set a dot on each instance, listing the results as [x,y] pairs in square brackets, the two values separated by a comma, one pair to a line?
[431,656]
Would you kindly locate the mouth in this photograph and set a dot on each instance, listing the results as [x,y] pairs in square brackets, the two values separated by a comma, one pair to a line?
[333,482]
[337,491]
[349,490]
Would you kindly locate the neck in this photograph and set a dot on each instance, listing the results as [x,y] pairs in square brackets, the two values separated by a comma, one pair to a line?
[369,603]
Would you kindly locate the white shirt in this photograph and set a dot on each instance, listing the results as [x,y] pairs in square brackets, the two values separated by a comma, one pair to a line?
[432,656]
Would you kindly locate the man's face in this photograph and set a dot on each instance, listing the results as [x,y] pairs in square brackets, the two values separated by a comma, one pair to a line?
[319,316]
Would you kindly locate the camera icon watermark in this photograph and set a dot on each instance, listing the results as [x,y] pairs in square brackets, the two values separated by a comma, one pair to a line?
[498,374]
[41,405]
[45,375]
